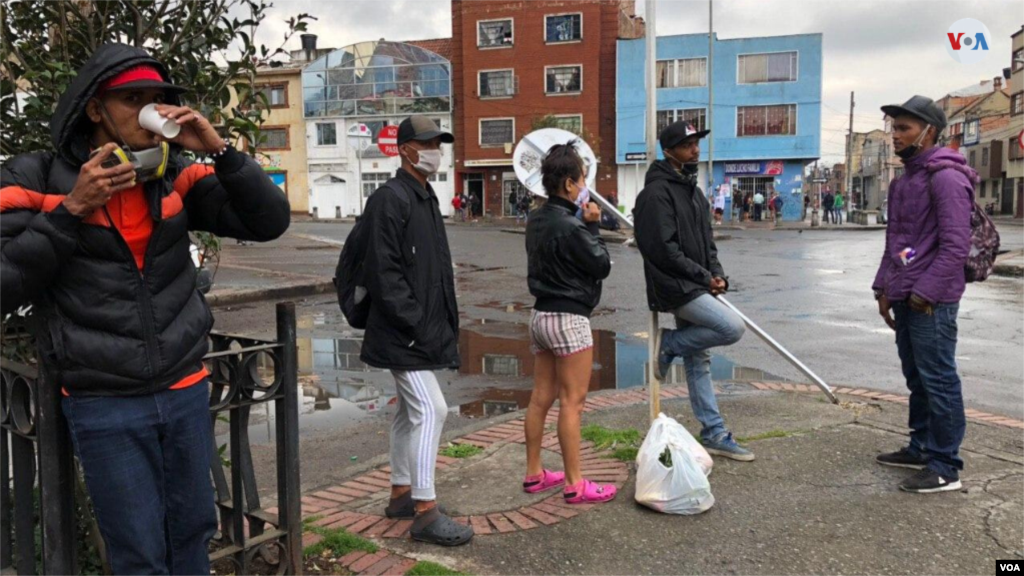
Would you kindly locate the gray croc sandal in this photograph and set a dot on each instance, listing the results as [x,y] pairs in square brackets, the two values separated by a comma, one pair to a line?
[404,507]
[434,527]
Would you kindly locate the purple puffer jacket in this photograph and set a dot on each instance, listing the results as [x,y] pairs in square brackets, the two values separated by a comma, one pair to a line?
[934,221]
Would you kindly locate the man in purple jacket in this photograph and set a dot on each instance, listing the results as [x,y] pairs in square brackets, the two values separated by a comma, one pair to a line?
[921,280]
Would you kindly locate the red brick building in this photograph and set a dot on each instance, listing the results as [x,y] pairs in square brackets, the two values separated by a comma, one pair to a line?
[516,62]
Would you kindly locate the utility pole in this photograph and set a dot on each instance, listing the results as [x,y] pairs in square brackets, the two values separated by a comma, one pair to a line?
[653,387]
[711,99]
[849,161]
[815,185]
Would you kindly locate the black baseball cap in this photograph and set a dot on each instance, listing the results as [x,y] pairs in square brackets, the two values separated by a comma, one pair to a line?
[921,107]
[676,132]
[421,128]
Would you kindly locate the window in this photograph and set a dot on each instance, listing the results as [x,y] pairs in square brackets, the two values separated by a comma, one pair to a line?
[563,79]
[1013,150]
[571,122]
[563,28]
[1017,104]
[778,67]
[779,120]
[327,134]
[494,33]
[501,365]
[497,132]
[276,95]
[438,177]
[971,132]
[373,180]
[1018,59]
[497,84]
[695,116]
[682,73]
[984,156]
[272,138]
[971,161]
[983,183]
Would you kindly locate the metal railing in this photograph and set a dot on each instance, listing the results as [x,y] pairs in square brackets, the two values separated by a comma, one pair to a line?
[36,452]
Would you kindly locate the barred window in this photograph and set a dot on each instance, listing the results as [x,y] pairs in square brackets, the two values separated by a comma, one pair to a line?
[778,120]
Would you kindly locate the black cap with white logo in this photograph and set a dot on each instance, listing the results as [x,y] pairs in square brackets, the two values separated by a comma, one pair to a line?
[676,132]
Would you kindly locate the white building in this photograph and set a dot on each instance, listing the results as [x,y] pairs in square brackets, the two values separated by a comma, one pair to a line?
[378,84]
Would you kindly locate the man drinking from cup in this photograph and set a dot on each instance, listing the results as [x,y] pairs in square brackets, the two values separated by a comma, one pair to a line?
[95,236]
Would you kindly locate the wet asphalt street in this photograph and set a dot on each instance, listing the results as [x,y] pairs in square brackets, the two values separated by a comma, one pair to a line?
[810,290]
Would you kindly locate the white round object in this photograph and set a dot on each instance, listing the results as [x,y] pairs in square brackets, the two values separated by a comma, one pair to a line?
[532,149]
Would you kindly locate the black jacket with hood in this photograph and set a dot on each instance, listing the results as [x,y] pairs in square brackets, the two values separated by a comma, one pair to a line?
[106,327]
[673,232]
[414,318]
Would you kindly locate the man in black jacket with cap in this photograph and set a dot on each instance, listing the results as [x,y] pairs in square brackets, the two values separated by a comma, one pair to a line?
[673,232]
[103,255]
[413,324]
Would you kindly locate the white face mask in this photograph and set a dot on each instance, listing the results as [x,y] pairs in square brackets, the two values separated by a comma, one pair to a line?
[430,161]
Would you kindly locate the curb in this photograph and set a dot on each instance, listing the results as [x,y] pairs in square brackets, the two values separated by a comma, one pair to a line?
[280,291]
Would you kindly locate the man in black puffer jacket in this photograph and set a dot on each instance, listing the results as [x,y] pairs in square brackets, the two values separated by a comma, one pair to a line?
[413,324]
[103,255]
[673,232]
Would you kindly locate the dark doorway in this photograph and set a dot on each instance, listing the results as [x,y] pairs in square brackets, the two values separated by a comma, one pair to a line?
[474,186]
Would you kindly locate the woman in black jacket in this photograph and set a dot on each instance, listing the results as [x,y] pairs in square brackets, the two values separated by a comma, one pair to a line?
[567,261]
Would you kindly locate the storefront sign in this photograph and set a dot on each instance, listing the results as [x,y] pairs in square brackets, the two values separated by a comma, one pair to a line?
[768,168]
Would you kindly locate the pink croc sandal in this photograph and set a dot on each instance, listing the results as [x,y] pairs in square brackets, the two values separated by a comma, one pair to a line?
[543,481]
[587,492]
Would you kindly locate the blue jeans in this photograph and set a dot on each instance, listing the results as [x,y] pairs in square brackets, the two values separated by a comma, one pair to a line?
[927,349]
[701,324]
[147,468]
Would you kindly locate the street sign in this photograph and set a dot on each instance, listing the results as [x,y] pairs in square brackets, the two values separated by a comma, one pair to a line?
[636,156]
[532,149]
[360,137]
[387,140]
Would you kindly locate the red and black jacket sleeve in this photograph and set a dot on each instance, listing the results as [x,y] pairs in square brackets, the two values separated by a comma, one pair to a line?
[37,233]
[234,198]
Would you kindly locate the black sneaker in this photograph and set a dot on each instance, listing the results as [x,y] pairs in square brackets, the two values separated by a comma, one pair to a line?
[902,458]
[928,481]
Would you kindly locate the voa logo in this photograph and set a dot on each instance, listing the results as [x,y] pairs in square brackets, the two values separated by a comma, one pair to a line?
[967,41]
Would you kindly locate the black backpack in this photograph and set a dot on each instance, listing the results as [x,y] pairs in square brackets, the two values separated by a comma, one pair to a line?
[350,275]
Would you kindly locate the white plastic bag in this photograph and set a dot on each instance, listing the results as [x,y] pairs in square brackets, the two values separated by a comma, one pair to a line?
[681,488]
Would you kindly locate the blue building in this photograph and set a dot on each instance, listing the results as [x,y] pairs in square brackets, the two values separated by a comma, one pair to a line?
[767,117]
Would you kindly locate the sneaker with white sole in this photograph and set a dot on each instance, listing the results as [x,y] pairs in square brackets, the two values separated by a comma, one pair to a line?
[928,481]
[725,446]
[902,458]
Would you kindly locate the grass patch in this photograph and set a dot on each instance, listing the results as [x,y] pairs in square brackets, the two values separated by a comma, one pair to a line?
[337,542]
[625,454]
[765,436]
[424,568]
[604,438]
[461,451]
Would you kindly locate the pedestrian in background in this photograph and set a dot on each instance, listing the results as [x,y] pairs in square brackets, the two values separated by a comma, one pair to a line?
[457,207]
[828,202]
[837,208]
[566,261]
[778,204]
[413,324]
[683,276]
[921,280]
[758,206]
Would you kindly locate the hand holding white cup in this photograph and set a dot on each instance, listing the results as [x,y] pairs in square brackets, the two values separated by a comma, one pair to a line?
[151,120]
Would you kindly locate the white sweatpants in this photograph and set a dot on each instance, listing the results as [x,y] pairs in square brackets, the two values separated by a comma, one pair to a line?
[416,432]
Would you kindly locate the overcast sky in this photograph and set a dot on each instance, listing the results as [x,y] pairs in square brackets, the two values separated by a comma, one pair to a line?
[885,51]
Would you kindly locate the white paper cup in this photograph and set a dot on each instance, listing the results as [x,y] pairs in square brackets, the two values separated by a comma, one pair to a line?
[151,120]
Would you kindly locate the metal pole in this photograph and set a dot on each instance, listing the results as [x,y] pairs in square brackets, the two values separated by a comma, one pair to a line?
[56,479]
[359,177]
[287,413]
[711,96]
[849,152]
[654,387]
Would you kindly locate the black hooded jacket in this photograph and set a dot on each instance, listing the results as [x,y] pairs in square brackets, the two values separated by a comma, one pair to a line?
[673,232]
[106,327]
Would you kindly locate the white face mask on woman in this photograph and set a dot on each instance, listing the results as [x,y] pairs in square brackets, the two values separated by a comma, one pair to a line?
[430,161]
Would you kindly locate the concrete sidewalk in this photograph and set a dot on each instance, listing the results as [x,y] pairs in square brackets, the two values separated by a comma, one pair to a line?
[814,501]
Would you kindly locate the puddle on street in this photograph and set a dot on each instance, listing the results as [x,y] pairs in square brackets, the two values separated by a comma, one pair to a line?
[337,389]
